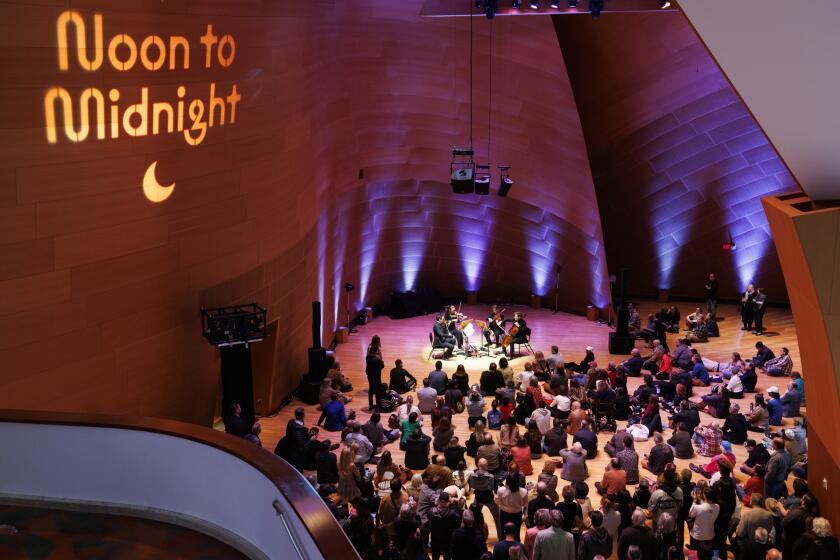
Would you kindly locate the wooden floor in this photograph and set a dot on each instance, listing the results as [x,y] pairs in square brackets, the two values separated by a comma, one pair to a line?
[407,339]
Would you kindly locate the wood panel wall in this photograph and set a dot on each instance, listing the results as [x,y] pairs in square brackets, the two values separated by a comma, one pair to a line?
[808,241]
[679,162]
[335,170]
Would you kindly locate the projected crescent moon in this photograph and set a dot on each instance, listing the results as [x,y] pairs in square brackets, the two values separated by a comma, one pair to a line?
[153,190]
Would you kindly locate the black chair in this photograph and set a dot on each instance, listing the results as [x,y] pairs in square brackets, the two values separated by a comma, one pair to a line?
[433,347]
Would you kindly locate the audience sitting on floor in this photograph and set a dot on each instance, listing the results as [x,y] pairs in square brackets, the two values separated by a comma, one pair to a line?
[445,496]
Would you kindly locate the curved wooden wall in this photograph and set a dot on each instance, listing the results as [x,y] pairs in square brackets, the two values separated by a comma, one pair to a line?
[100,289]
[679,163]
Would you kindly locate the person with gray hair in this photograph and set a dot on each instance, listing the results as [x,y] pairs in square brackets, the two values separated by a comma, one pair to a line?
[574,463]
[758,546]
[825,544]
[752,518]
[638,535]
[660,455]
[540,501]
[542,520]
[553,543]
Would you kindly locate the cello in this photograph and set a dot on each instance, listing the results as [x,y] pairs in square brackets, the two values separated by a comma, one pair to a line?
[509,335]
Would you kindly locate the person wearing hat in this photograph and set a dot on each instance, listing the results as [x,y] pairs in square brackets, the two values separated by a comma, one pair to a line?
[757,454]
[795,441]
[443,520]
[583,366]
[711,467]
[774,406]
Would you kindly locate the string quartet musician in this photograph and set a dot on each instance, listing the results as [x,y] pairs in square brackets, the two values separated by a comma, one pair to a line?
[495,325]
[442,337]
[523,331]
[452,318]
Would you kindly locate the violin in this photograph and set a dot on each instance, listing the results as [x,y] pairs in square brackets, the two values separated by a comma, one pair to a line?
[497,318]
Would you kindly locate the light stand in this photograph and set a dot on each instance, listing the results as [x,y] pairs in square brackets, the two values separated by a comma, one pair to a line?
[348,287]
[612,301]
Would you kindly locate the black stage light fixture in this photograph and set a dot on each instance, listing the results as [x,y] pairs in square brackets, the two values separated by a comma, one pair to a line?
[462,171]
[572,3]
[535,4]
[490,8]
[555,4]
[514,4]
[505,182]
[348,287]
[595,8]
[664,4]
[482,179]
[237,324]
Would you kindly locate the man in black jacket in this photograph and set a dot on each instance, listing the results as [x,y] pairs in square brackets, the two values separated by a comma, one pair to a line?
[400,380]
[555,439]
[587,438]
[711,288]
[759,307]
[234,423]
[443,338]
[735,426]
[467,542]
[296,447]
[639,535]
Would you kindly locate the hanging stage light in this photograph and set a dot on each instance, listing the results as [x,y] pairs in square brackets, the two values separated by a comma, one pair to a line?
[462,170]
[535,4]
[482,179]
[555,4]
[515,4]
[595,7]
[572,3]
[664,4]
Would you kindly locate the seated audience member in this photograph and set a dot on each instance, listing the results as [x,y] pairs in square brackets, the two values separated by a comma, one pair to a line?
[692,318]
[333,416]
[681,356]
[642,495]
[461,379]
[700,331]
[326,392]
[796,378]
[541,417]
[616,442]
[576,418]
[735,426]
[509,434]
[587,439]
[438,380]
[400,380]
[376,433]
[762,355]
[521,454]
[791,401]
[778,367]
[495,417]
[757,454]
[254,436]
[476,439]
[574,464]
[475,408]
[708,438]
[407,408]
[340,382]
[796,441]
[713,465]
[326,464]
[555,358]
[426,397]
[491,453]
[417,450]
[660,455]
[758,415]
[753,485]
[699,373]
[749,378]
[442,434]
[712,328]
[388,400]
[454,453]
[603,392]
[774,406]
[614,479]
[680,442]
[633,364]
[550,479]
[407,428]
[735,386]
[688,415]
[555,439]
[358,440]
[651,418]
[454,398]
[628,460]
[491,380]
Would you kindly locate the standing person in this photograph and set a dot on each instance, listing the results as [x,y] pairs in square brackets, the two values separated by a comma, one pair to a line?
[759,307]
[747,308]
[711,288]
[704,513]
[373,369]
[443,520]
[512,499]
[554,543]
[597,540]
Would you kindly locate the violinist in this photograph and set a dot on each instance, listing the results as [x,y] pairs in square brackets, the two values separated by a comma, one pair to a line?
[495,324]
[452,317]
[518,332]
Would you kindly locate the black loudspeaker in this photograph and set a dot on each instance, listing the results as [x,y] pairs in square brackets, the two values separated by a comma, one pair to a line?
[237,380]
[621,344]
[309,389]
[622,325]
[318,365]
[463,181]
[316,324]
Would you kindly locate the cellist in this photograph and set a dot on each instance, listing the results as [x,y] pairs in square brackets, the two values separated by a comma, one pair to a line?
[518,333]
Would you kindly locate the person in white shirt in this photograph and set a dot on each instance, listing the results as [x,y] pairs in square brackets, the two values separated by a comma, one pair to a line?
[542,417]
[704,514]
[735,387]
[407,408]
[562,403]
[525,379]
[426,397]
